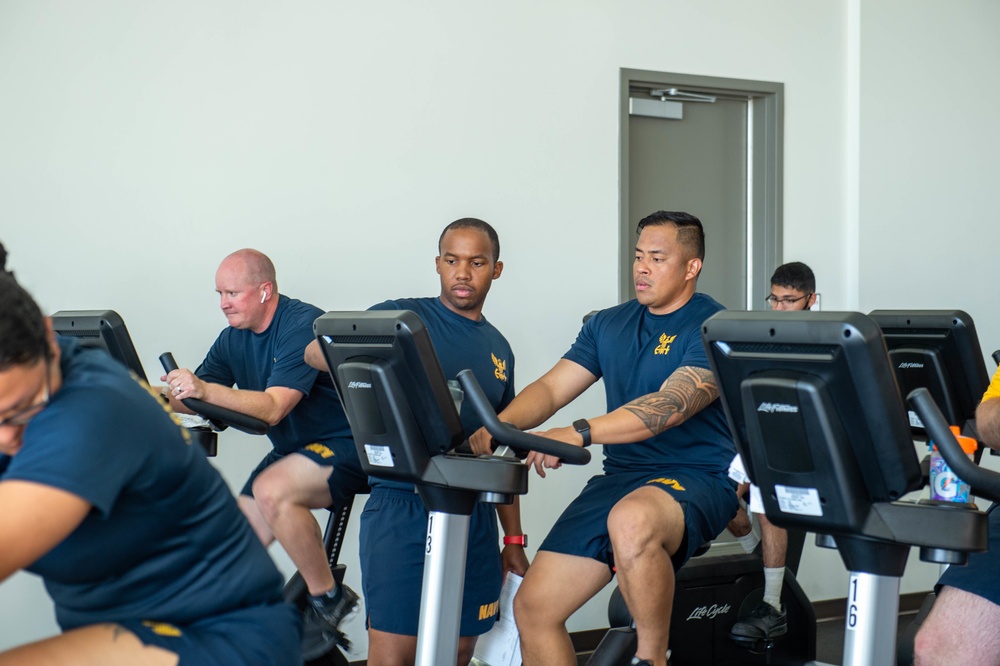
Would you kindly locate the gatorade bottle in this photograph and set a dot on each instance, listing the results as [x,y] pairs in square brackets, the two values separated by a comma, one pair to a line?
[945,485]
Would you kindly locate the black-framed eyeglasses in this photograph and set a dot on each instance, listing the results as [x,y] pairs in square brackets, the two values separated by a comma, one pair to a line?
[23,416]
[774,301]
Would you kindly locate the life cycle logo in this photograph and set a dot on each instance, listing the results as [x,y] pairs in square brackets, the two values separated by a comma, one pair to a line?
[709,612]
[665,342]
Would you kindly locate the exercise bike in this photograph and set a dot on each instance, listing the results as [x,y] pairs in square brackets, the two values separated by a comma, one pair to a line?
[319,648]
[814,407]
[406,427]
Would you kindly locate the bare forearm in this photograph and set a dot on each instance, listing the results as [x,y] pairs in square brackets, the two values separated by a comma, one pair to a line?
[258,404]
[510,517]
[988,422]
[685,393]
[531,407]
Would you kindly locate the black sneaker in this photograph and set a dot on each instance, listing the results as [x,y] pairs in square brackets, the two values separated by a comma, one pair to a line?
[329,612]
[762,622]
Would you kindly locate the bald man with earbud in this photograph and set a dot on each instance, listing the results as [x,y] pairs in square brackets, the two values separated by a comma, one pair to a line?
[256,367]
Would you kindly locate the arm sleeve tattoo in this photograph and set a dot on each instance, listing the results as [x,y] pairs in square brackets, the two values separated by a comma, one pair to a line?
[687,391]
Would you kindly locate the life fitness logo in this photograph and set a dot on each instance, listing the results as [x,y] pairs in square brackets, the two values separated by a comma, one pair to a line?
[708,612]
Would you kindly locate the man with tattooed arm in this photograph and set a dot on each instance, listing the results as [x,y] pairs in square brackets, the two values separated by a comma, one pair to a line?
[664,491]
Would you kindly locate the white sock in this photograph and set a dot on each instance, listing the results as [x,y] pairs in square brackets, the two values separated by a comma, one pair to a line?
[749,541]
[773,579]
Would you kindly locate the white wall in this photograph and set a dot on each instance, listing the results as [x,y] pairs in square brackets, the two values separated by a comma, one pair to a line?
[140,143]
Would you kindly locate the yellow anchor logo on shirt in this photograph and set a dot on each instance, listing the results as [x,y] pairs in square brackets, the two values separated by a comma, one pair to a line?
[501,368]
[664,346]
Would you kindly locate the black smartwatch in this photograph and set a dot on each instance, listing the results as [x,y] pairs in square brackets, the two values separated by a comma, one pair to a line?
[582,427]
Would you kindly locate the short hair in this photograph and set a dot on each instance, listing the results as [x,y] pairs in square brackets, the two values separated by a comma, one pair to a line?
[795,275]
[479,225]
[690,233]
[23,336]
[259,267]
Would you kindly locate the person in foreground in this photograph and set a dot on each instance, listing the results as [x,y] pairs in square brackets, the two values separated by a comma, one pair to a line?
[793,288]
[664,491]
[394,523]
[961,627]
[313,464]
[137,538]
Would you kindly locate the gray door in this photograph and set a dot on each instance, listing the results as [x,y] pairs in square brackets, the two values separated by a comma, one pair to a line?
[697,165]
[719,160]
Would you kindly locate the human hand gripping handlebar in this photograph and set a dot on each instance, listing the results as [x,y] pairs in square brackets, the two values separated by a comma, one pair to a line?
[511,436]
[984,482]
[214,413]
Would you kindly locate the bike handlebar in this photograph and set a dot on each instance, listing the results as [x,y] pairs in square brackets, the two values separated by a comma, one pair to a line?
[511,436]
[218,415]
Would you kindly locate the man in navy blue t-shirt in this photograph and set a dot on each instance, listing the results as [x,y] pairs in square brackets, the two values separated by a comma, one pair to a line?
[664,491]
[394,522]
[136,536]
[313,464]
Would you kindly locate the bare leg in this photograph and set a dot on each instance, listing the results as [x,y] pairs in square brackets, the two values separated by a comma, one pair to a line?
[775,543]
[740,524]
[554,587]
[94,645]
[385,649]
[248,506]
[960,629]
[646,528]
[286,493]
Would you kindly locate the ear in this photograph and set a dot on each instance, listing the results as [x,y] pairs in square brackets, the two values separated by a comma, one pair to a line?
[693,268]
[811,301]
[497,269]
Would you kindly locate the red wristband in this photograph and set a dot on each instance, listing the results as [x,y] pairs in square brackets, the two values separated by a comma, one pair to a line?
[519,540]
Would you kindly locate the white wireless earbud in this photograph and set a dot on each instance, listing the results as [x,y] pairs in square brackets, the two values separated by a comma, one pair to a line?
[263,295]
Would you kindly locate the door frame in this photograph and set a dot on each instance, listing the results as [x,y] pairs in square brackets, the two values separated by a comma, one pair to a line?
[765,151]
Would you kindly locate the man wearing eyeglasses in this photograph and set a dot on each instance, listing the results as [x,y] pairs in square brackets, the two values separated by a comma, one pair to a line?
[793,288]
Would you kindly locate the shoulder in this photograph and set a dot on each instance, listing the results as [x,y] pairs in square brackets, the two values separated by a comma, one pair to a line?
[697,310]
[615,318]
[414,304]
[291,307]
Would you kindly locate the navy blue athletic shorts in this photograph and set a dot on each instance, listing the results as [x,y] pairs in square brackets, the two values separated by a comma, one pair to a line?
[347,479]
[979,576]
[708,500]
[269,634]
[393,538]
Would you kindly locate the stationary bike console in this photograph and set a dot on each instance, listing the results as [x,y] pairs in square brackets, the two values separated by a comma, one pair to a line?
[406,427]
[814,409]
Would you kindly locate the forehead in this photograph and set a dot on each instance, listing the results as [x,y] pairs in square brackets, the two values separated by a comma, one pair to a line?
[19,384]
[470,242]
[231,275]
[778,290]
[657,238]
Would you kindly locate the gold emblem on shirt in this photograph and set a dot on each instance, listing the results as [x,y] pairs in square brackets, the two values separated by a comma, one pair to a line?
[501,368]
[665,342]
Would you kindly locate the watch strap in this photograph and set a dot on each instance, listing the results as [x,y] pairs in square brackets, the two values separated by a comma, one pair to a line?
[583,427]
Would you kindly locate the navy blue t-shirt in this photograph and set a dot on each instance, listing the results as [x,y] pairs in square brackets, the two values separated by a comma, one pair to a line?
[461,344]
[257,361]
[635,351]
[164,540]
